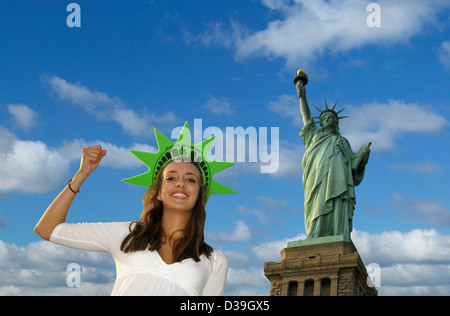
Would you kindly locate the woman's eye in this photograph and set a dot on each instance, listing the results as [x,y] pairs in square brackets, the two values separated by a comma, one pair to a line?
[191,180]
[170,179]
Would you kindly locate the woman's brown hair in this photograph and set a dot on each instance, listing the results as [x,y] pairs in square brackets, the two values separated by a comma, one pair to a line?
[147,231]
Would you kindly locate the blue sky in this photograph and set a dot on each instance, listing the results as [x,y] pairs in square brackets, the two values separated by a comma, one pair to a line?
[136,65]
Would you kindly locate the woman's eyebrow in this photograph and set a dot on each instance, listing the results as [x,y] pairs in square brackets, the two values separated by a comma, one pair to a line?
[187,173]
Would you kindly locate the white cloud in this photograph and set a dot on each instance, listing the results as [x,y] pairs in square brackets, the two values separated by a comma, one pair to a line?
[444,54]
[116,157]
[40,268]
[33,167]
[270,251]
[288,107]
[418,275]
[306,29]
[29,166]
[241,233]
[253,276]
[384,123]
[24,116]
[106,108]
[381,123]
[291,155]
[394,247]
[412,263]
[218,106]
[310,28]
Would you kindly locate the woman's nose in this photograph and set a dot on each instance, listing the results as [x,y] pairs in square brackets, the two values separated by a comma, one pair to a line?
[180,183]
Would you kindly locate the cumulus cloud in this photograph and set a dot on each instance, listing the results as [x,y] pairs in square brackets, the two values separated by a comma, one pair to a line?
[270,251]
[40,268]
[34,167]
[381,123]
[105,107]
[412,263]
[24,116]
[393,247]
[290,160]
[116,157]
[29,166]
[253,276]
[241,233]
[306,29]
[384,123]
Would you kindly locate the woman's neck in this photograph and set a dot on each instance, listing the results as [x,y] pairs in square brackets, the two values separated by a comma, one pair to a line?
[174,222]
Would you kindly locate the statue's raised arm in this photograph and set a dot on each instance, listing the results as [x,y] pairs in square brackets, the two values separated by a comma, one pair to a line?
[300,81]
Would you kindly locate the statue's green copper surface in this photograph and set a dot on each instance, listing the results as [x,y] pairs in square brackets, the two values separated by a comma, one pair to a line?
[331,170]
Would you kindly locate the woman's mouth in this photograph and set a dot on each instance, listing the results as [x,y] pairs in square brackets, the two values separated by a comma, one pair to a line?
[179,195]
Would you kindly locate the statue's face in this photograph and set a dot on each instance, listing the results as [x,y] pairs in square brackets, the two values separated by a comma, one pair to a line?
[328,120]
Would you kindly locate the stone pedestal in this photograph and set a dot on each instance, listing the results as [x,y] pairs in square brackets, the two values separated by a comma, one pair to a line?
[327,266]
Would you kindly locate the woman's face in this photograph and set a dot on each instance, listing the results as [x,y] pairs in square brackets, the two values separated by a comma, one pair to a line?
[180,186]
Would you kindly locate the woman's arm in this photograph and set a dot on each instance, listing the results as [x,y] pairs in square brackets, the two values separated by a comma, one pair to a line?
[215,286]
[57,211]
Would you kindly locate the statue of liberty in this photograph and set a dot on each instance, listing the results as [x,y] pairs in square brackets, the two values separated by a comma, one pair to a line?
[331,170]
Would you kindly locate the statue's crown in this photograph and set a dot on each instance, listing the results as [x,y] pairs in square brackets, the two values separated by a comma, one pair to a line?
[328,110]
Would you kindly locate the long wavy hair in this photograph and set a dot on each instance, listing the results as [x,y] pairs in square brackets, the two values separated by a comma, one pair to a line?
[147,233]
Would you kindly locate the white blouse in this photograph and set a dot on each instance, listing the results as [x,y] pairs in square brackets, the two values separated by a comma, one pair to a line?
[144,272]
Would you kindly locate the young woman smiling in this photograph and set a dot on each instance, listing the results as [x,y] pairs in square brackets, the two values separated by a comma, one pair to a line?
[162,253]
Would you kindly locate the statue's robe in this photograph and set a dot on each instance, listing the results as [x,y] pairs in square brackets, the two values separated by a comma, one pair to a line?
[331,170]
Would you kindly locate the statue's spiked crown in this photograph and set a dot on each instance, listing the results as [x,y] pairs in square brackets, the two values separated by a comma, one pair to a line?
[328,110]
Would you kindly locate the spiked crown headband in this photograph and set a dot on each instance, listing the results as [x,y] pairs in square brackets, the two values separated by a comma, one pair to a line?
[181,150]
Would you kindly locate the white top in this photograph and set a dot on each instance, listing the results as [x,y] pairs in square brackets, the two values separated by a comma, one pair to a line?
[144,272]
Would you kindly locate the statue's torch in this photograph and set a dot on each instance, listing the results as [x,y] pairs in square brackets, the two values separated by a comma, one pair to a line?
[302,76]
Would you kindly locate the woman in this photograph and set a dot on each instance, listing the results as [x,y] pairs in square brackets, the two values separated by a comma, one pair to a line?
[163,253]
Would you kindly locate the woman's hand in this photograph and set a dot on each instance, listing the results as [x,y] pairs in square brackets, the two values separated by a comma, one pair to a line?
[90,159]
[57,211]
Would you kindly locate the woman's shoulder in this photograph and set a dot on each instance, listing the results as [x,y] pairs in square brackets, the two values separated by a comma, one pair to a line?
[218,258]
